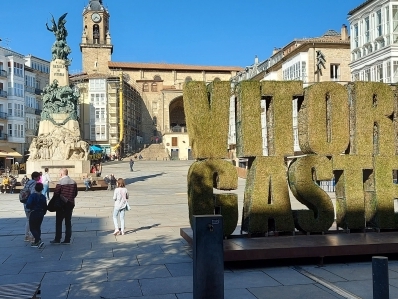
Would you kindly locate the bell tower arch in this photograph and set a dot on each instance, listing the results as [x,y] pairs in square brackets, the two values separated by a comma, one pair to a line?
[96,45]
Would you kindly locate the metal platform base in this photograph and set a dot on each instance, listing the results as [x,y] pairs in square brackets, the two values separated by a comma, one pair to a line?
[305,246]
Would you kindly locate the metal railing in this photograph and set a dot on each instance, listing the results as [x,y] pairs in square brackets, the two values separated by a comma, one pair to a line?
[38,91]
[3,115]
[3,73]
[30,89]
[3,136]
[37,111]
[3,93]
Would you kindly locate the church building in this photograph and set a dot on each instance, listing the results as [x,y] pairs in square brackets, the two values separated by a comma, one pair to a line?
[126,105]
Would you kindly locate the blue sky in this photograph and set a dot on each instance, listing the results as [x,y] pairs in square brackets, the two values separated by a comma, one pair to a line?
[207,32]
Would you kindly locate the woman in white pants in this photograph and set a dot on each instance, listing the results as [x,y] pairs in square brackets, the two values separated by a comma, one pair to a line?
[120,196]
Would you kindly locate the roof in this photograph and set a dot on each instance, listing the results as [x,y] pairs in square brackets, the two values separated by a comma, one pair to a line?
[8,152]
[350,13]
[166,66]
[85,76]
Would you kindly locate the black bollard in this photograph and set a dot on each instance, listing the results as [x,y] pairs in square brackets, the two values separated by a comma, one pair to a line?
[380,277]
[208,257]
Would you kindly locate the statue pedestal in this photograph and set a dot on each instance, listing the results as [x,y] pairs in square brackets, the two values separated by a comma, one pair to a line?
[77,169]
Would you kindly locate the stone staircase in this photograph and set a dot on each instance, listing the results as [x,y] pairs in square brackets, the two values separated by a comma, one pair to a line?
[154,152]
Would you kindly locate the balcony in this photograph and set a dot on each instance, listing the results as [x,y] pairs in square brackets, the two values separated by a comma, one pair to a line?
[37,111]
[3,136]
[30,89]
[3,94]
[3,115]
[38,91]
[3,73]
[30,110]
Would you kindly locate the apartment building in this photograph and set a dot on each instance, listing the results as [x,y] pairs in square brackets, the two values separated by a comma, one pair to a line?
[299,60]
[374,41]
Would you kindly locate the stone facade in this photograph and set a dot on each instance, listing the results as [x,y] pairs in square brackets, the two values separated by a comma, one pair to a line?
[159,87]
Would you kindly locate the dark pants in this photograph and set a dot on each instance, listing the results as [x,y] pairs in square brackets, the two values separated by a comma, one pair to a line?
[35,221]
[60,215]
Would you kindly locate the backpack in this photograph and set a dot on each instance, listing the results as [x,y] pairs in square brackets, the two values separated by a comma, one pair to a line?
[25,192]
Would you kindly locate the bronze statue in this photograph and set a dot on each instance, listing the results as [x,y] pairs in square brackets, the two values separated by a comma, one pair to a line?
[60,49]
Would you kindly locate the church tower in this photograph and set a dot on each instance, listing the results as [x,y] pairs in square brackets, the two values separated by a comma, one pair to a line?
[96,45]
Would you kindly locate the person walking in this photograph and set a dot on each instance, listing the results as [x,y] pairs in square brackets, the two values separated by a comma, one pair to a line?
[131,164]
[37,204]
[113,182]
[46,180]
[120,196]
[67,188]
[30,185]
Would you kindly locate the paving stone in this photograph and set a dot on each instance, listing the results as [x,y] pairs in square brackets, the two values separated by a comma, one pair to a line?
[287,276]
[148,259]
[364,288]
[180,269]
[292,292]
[248,280]
[97,263]
[170,285]
[76,277]
[140,272]
[109,290]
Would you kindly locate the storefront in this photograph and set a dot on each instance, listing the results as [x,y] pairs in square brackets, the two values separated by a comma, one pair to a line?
[7,158]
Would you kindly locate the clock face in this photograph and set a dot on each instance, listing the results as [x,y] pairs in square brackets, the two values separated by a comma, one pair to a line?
[96,17]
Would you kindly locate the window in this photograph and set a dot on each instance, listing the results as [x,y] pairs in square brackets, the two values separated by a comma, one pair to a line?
[334,72]
[367,30]
[379,72]
[367,75]
[97,84]
[155,105]
[100,114]
[96,34]
[10,130]
[98,132]
[187,79]
[157,78]
[355,40]
[18,111]
[395,22]
[154,87]
[388,73]
[18,131]
[379,24]
[10,109]
[174,141]
[18,69]
[98,99]
[145,87]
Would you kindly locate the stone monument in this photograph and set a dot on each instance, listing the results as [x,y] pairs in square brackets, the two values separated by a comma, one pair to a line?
[59,144]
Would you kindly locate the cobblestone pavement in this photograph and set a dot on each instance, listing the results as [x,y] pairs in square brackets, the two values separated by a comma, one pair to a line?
[152,260]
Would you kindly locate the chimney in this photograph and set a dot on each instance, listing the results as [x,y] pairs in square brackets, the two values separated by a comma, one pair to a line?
[256,60]
[344,32]
[276,50]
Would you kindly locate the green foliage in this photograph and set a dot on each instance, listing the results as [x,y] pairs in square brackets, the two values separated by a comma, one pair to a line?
[267,197]
[207,116]
[205,175]
[279,97]
[324,119]
[248,120]
[302,175]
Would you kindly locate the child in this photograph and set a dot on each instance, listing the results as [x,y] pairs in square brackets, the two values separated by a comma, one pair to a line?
[37,203]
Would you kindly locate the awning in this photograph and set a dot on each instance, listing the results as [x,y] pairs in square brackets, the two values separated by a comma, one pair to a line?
[96,149]
[8,152]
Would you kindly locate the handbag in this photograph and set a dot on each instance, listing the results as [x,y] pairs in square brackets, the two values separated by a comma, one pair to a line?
[127,207]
